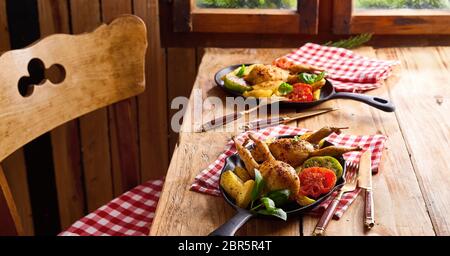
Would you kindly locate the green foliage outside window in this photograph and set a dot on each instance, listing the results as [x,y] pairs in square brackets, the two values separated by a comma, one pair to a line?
[398,4]
[262,4]
[292,4]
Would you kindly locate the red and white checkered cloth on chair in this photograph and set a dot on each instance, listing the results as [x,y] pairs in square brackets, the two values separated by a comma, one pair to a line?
[208,180]
[131,214]
[347,70]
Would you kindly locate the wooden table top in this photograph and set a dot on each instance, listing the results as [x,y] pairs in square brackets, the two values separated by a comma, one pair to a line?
[411,191]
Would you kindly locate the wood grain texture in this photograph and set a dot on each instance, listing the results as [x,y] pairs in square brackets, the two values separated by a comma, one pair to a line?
[94,131]
[9,216]
[421,92]
[397,200]
[152,104]
[4,33]
[15,170]
[251,21]
[406,23]
[182,15]
[127,145]
[181,64]
[176,214]
[102,67]
[68,173]
[126,165]
[14,166]
[342,16]
[54,18]
[309,16]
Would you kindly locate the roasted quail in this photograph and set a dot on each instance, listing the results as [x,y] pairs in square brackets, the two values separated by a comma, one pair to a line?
[295,151]
[291,151]
[276,174]
[264,73]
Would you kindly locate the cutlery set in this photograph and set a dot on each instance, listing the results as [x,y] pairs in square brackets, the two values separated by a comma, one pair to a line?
[356,176]
[261,123]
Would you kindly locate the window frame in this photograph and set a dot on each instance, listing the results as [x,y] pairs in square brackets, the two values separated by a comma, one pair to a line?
[190,18]
[346,20]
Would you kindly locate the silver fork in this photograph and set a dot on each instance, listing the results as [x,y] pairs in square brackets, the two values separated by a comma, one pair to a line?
[350,180]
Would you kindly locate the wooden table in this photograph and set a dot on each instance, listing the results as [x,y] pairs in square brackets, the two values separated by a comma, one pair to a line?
[412,195]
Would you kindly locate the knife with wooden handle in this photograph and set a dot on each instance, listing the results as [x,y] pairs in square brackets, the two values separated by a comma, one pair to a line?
[272,121]
[365,182]
[223,120]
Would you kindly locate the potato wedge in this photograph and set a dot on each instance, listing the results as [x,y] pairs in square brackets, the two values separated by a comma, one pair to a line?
[245,195]
[304,200]
[260,93]
[316,94]
[231,183]
[242,173]
[318,85]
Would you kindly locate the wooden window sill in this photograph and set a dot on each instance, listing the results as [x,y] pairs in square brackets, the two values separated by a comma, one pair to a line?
[246,21]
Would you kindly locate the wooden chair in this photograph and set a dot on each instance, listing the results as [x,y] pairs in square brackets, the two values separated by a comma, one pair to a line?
[63,77]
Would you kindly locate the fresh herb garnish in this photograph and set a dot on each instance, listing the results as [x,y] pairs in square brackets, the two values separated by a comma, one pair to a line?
[241,71]
[352,42]
[269,204]
[277,212]
[285,88]
[279,197]
[259,185]
[311,78]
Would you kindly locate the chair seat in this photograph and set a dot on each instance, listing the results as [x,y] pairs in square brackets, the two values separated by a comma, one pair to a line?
[131,214]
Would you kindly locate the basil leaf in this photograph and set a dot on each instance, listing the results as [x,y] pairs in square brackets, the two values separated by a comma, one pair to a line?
[311,78]
[320,76]
[277,212]
[259,185]
[307,78]
[285,88]
[241,71]
[268,203]
[279,197]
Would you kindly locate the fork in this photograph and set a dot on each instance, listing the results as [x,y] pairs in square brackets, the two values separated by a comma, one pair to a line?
[350,180]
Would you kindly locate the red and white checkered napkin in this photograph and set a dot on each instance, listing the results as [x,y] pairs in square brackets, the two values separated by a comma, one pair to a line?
[208,180]
[347,70]
[131,214]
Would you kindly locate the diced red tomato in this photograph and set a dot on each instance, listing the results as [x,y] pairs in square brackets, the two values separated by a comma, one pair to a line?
[316,181]
[301,93]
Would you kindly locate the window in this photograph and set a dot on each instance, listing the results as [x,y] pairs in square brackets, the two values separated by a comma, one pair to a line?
[249,16]
[252,4]
[385,17]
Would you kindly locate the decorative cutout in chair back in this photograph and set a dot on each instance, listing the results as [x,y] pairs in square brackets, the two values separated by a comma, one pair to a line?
[38,75]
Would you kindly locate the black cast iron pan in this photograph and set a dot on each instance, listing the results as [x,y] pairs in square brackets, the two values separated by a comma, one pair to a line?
[327,93]
[243,215]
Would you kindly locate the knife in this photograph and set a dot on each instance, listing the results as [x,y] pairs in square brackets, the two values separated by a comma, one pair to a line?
[365,182]
[221,121]
[263,123]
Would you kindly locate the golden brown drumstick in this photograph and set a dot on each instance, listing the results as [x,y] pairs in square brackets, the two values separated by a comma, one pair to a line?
[247,158]
[334,151]
[317,136]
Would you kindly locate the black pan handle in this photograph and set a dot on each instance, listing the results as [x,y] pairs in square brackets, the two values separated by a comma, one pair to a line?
[373,101]
[233,224]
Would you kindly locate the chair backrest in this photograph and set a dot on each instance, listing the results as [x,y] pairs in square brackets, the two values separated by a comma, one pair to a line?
[63,77]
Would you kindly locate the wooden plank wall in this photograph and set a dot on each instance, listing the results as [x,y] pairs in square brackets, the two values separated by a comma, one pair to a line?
[85,151]
[14,166]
